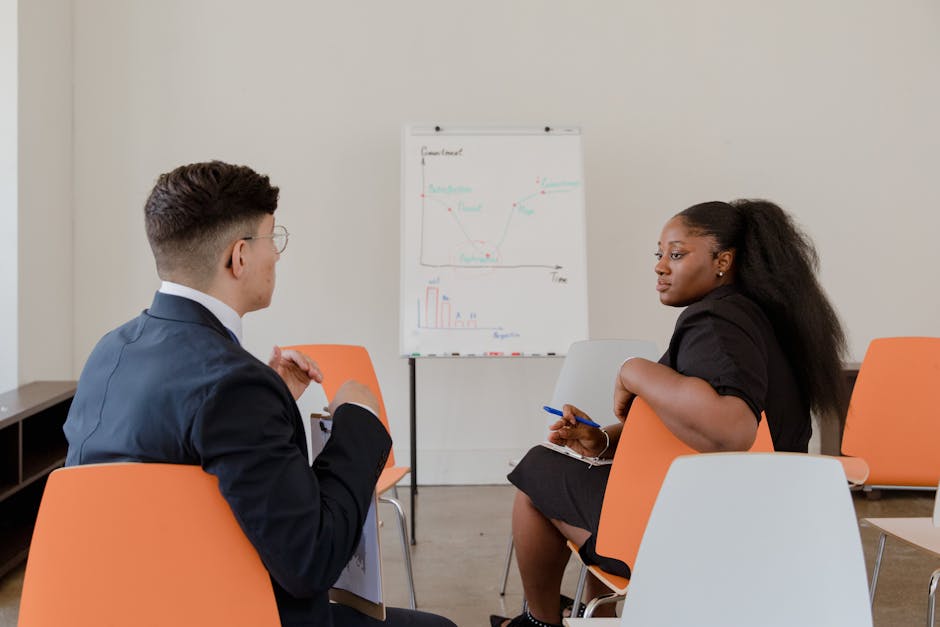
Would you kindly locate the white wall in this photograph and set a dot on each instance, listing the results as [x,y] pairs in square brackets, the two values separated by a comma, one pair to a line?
[827,108]
[8,221]
[36,254]
[45,191]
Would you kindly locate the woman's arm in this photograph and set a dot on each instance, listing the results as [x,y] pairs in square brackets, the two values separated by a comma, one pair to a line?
[688,406]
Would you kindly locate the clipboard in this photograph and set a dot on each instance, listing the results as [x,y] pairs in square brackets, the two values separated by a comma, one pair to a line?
[360,584]
[564,450]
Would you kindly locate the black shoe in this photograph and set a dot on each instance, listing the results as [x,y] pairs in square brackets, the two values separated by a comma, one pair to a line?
[567,607]
[523,620]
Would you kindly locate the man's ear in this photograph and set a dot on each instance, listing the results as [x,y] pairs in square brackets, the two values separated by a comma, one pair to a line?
[237,261]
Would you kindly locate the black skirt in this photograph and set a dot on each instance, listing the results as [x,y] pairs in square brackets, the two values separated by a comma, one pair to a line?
[566,489]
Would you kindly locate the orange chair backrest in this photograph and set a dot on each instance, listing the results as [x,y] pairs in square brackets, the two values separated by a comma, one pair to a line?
[646,450]
[341,362]
[144,544]
[893,421]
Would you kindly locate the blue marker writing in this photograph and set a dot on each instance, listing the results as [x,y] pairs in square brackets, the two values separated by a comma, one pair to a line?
[583,421]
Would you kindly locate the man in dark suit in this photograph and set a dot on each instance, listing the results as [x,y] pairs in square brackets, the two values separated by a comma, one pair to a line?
[174,385]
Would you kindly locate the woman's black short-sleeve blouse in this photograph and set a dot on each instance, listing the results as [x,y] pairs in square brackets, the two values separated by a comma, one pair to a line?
[727,340]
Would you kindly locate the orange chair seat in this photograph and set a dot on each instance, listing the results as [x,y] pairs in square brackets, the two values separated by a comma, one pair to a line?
[616,583]
[856,469]
[389,477]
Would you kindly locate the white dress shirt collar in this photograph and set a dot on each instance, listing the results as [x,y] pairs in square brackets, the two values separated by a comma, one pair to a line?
[225,314]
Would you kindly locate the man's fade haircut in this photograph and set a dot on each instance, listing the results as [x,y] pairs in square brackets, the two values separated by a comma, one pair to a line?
[197,210]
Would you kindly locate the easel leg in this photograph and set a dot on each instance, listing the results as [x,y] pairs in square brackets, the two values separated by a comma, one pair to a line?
[414,447]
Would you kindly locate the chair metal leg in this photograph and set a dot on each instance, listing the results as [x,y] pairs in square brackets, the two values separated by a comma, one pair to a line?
[932,596]
[604,599]
[405,548]
[505,578]
[874,574]
[579,591]
[502,584]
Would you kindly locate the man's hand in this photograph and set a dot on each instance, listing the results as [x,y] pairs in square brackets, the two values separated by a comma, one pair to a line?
[354,392]
[580,438]
[296,369]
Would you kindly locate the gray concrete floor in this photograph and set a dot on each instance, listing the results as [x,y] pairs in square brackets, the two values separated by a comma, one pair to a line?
[462,538]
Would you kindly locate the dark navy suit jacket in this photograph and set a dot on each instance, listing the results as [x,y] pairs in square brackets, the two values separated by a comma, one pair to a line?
[173,386]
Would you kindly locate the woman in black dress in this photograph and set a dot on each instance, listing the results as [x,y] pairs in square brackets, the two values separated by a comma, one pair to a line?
[758,335]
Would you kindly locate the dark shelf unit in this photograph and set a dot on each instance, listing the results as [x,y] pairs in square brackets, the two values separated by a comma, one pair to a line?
[31,446]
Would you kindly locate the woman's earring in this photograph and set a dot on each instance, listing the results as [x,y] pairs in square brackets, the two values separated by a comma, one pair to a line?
[721,273]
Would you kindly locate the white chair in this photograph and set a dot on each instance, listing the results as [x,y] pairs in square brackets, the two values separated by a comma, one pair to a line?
[744,539]
[589,371]
[586,380]
[922,533]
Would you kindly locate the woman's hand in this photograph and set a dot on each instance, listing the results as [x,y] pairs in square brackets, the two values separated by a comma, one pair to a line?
[582,439]
[623,397]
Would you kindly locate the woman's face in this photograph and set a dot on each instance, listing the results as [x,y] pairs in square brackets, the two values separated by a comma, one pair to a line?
[687,265]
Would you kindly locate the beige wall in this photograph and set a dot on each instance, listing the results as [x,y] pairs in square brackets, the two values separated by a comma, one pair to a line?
[828,108]
[45,191]
[8,213]
[36,254]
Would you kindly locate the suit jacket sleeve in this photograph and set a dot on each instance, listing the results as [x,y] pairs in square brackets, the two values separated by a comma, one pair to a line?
[305,522]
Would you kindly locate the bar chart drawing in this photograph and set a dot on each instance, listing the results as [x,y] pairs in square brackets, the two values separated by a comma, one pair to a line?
[436,311]
[492,244]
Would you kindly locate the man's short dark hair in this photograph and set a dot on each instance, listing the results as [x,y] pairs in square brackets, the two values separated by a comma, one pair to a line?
[197,210]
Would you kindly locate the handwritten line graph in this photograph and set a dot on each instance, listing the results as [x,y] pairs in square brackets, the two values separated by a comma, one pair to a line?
[485,254]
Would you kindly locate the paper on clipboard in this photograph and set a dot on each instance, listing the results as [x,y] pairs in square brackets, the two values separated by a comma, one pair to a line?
[360,584]
[313,402]
[564,450]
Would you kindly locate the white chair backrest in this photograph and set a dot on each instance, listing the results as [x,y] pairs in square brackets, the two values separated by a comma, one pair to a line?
[744,539]
[936,507]
[589,371]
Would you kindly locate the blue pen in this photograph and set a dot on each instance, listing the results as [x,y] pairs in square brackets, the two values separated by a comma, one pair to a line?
[583,421]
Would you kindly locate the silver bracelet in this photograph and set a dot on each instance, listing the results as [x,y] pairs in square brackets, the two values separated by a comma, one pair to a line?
[607,446]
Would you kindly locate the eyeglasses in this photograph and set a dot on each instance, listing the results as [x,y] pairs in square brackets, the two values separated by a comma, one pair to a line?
[278,237]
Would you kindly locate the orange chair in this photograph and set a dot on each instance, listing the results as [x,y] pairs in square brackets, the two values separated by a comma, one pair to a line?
[141,544]
[644,454]
[893,422]
[339,363]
